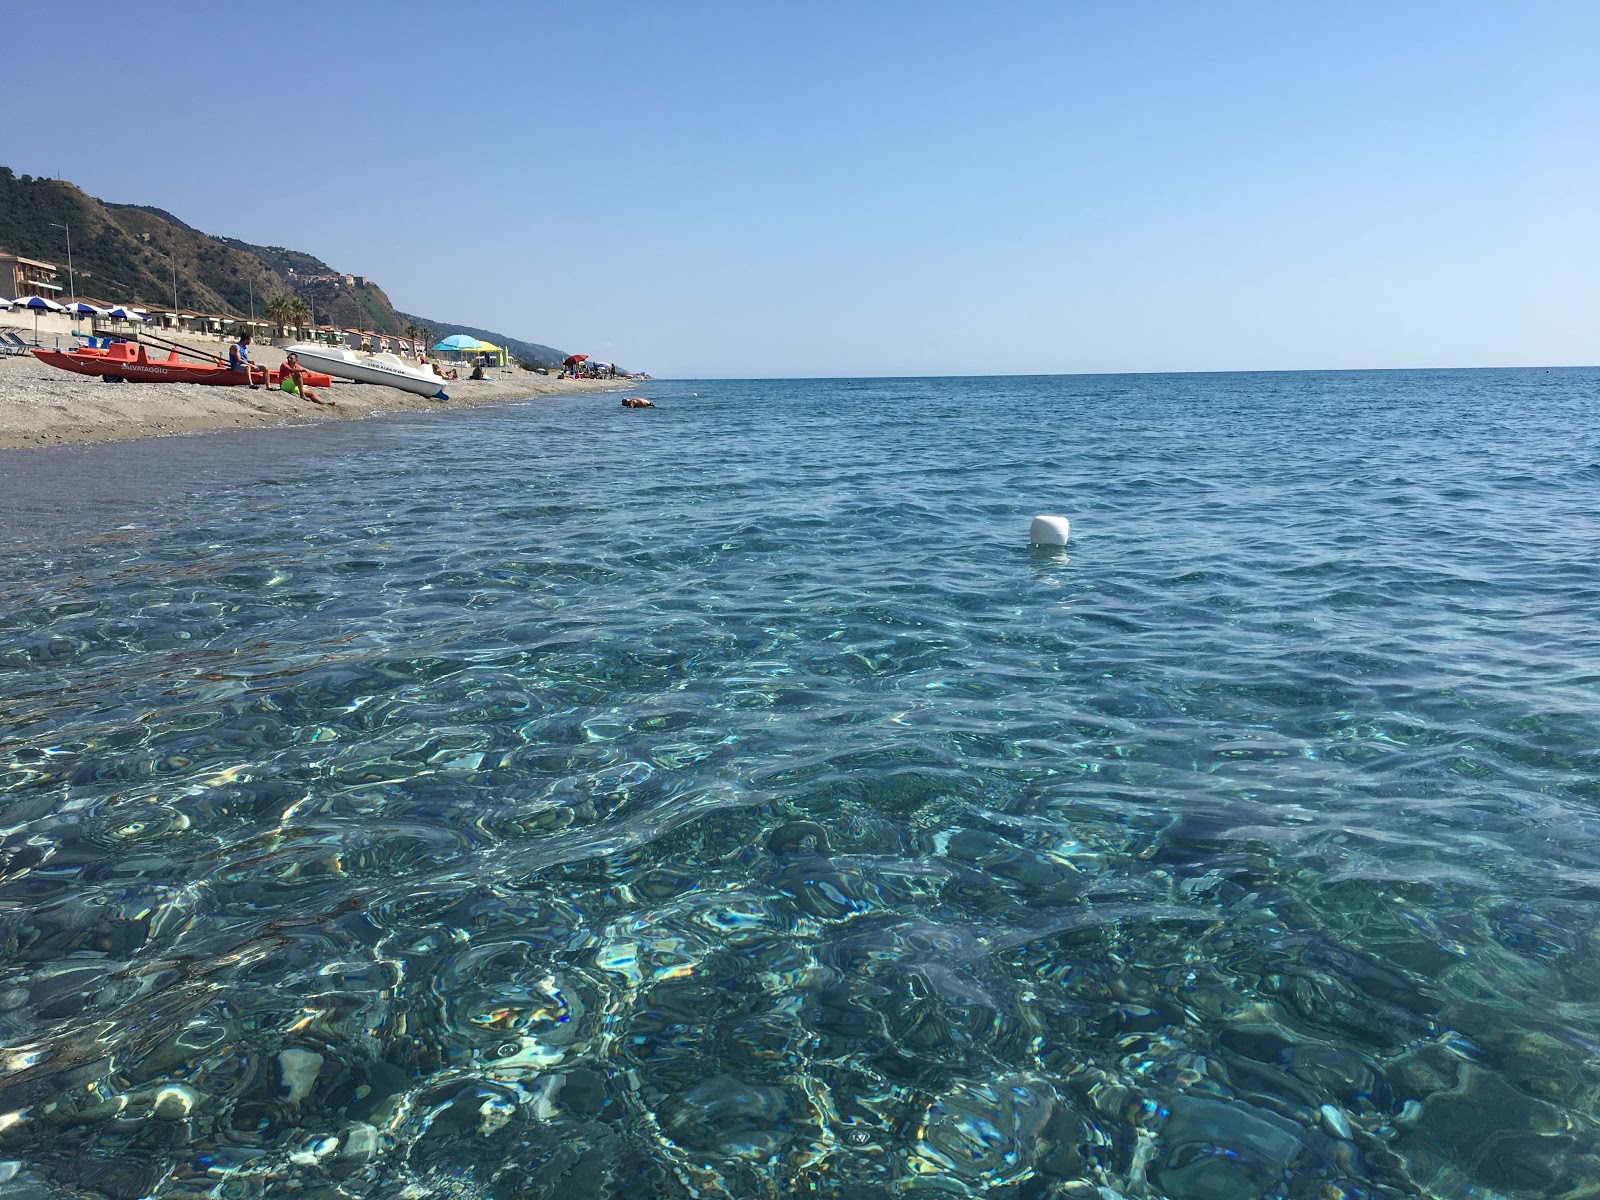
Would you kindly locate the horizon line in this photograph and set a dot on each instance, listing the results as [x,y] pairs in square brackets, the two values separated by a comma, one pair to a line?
[1099,374]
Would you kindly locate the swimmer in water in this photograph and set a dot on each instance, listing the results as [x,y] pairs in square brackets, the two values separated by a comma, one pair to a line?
[636,402]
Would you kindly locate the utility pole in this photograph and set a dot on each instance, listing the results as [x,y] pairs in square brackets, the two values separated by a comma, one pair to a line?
[71,280]
[173,259]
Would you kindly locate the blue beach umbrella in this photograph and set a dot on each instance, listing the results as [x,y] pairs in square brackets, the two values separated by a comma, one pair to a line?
[38,304]
[458,341]
[83,308]
[125,314]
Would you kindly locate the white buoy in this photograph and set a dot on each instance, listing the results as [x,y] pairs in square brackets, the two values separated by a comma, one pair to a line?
[1049,531]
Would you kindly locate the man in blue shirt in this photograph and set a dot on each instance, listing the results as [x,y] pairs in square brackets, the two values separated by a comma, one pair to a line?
[239,359]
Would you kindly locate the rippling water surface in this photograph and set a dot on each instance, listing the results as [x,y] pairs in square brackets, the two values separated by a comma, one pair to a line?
[725,801]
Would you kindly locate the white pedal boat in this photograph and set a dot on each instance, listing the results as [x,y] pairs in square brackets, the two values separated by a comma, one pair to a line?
[383,369]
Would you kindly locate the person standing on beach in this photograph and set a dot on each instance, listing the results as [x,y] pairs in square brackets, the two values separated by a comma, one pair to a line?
[239,359]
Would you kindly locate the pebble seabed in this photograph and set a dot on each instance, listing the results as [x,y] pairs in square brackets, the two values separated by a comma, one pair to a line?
[407,819]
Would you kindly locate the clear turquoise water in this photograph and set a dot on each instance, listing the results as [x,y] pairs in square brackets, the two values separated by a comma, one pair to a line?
[433,802]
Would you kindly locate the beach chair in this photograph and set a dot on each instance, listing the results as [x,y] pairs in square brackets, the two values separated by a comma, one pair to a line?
[11,344]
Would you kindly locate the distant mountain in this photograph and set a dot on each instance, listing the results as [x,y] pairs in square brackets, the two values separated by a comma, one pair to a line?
[140,254]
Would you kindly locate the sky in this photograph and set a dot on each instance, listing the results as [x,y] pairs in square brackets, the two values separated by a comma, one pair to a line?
[756,188]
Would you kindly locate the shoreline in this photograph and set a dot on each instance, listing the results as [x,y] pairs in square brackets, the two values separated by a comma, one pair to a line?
[43,407]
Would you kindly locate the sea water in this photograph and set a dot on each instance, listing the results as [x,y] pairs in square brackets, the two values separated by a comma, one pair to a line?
[726,801]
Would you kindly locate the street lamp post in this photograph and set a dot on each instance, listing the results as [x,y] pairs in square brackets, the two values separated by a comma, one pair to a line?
[71,280]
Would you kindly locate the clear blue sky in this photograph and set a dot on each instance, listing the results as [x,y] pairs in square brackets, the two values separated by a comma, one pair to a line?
[841,188]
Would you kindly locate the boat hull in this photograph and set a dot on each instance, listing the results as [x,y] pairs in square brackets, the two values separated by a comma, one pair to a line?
[382,369]
[135,366]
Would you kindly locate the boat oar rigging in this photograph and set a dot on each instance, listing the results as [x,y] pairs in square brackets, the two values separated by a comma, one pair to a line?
[142,336]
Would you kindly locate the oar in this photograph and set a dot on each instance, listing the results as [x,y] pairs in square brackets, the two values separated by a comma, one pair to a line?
[182,349]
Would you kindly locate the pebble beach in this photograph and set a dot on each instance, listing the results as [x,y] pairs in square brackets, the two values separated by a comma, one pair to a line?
[43,406]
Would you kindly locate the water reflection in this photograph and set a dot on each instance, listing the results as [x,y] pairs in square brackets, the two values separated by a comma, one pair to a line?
[417,820]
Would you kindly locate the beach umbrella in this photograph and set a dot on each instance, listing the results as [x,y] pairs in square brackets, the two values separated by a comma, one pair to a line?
[458,341]
[83,308]
[39,304]
[125,314]
[574,358]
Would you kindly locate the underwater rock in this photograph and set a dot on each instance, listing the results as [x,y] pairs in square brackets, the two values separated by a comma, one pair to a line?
[360,1142]
[298,1070]
[1216,1150]
[174,1102]
[788,838]
[988,1134]
[723,1110]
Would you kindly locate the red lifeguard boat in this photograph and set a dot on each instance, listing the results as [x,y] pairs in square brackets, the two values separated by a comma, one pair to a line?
[126,360]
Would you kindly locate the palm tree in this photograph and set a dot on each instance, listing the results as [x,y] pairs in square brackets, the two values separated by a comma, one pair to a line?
[281,311]
[299,312]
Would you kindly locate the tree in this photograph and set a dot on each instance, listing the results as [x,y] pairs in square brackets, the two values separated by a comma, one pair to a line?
[280,311]
[288,312]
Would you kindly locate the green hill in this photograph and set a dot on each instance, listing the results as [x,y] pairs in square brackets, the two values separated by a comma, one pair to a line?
[139,254]
[528,352]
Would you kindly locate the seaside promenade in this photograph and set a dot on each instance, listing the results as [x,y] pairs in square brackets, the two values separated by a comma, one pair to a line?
[44,406]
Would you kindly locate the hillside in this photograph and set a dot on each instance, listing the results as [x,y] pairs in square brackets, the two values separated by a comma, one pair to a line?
[127,254]
[528,352]
[140,254]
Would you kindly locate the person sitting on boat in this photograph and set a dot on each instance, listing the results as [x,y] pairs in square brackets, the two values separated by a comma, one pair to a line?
[292,379]
[239,359]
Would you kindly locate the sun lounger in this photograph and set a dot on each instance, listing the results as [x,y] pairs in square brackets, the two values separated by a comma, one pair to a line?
[11,344]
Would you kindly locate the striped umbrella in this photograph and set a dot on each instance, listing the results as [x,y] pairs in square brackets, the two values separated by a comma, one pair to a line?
[39,304]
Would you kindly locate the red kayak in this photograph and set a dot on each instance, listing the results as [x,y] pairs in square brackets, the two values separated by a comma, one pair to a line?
[125,360]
